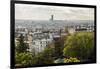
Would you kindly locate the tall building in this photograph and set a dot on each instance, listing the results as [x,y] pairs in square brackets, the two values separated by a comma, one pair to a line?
[52,18]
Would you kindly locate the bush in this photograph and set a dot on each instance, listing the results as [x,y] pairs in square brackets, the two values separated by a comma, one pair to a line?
[23,59]
[66,60]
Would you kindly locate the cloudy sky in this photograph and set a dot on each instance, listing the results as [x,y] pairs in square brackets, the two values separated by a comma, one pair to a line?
[42,12]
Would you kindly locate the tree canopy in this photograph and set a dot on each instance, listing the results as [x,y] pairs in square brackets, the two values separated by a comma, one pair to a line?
[80,45]
[21,45]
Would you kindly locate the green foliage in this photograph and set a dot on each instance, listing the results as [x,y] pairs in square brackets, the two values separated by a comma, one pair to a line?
[21,45]
[29,59]
[66,60]
[23,59]
[80,45]
[45,57]
[59,45]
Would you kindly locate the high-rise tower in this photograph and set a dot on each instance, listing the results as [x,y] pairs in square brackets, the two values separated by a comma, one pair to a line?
[52,17]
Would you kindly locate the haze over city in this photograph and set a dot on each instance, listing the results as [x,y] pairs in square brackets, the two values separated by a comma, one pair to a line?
[44,12]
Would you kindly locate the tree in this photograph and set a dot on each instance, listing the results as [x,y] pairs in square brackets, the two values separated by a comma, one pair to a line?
[23,59]
[80,45]
[59,45]
[45,57]
[21,45]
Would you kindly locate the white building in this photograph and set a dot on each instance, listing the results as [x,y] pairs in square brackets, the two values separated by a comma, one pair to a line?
[40,41]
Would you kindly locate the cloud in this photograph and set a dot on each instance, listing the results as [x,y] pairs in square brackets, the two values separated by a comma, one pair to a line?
[42,12]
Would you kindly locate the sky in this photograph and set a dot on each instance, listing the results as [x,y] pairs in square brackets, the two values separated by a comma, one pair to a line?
[44,12]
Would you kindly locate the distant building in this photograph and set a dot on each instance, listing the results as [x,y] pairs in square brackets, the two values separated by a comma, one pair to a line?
[52,18]
[84,28]
[21,30]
